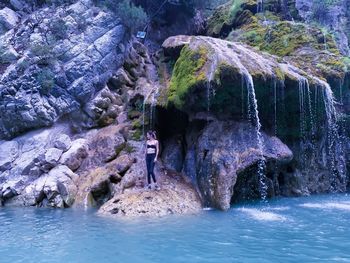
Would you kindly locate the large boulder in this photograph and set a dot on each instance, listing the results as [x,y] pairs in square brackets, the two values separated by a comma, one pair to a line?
[75,155]
[55,189]
[63,142]
[8,19]
[223,151]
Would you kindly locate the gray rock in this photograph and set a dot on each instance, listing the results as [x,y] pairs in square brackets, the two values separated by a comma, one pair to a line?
[75,155]
[9,55]
[17,4]
[8,153]
[172,154]
[63,142]
[35,94]
[226,150]
[105,145]
[123,163]
[56,189]
[8,19]
[52,156]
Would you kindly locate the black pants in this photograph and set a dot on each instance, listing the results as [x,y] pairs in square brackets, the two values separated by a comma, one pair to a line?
[150,167]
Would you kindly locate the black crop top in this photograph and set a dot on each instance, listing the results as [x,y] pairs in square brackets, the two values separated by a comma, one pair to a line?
[151,146]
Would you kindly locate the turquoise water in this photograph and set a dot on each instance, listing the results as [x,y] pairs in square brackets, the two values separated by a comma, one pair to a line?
[313,229]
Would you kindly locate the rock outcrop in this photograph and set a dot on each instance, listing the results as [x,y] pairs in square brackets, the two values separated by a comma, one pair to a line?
[175,197]
[54,67]
[225,151]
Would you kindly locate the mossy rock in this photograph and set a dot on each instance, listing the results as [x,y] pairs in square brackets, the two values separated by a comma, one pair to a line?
[309,47]
[188,73]
[214,75]
[229,16]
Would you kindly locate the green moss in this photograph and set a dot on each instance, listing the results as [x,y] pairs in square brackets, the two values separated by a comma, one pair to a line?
[136,124]
[219,19]
[188,72]
[279,73]
[129,148]
[136,135]
[235,8]
[132,114]
[120,148]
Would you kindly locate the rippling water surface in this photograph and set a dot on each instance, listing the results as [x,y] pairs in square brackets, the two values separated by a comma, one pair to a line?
[313,229]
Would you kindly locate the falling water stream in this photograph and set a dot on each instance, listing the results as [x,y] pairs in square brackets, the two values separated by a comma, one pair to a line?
[325,40]
[334,156]
[253,116]
[260,6]
[306,117]
[144,113]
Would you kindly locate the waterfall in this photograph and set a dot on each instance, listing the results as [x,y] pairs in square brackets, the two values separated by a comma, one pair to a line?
[260,6]
[253,116]
[325,40]
[341,83]
[275,105]
[153,106]
[210,79]
[306,117]
[144,112]
[335,157]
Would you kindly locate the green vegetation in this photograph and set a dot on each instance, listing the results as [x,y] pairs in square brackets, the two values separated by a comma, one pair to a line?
[58,28]
[188,72]
[134,17]
[46,80]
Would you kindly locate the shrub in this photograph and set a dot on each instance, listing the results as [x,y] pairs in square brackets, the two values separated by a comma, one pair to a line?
[46,80]
[43,51]
[133,17]
[58,28]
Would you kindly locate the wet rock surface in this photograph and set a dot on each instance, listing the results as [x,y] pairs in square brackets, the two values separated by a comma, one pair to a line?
[223,151]
[174,197]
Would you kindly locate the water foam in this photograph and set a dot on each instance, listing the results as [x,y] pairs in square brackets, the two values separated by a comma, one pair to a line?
[263,215]
[338,206]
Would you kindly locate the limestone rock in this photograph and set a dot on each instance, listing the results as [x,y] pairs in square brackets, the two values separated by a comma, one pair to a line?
[63,142]
[8,153]
[56,189]
[172,154]
[8,19]
[75,155]
[105,145]
[175,197]
[226,150]
[123,163]
[35,95]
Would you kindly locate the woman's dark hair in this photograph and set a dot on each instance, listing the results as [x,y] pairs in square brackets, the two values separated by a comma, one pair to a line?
[153,134]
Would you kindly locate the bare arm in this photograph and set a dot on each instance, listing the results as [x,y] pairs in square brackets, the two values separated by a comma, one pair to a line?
[157,151]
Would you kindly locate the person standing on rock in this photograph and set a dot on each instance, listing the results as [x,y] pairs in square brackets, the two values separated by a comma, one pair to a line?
[152,150]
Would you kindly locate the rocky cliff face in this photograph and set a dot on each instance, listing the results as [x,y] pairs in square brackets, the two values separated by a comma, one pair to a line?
[256,109]
[54,61]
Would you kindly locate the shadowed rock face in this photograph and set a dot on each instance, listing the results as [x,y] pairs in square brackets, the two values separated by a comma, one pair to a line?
[225,149]
[53,67]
